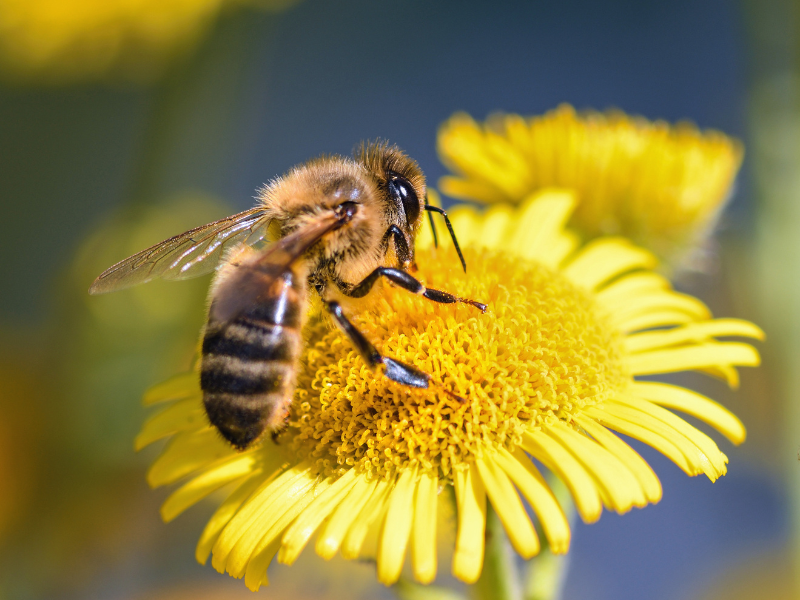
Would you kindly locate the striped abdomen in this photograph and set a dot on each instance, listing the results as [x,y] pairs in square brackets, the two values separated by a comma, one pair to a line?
[249,363]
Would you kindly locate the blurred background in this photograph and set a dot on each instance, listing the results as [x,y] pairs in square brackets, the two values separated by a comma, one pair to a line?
[123,122]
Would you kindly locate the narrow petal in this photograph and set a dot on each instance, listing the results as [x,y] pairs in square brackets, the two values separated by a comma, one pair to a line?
[332,535]
[606,258]
[281,516]
[298,534]
[175,388]
[533,486]
[185,453]
[494,226]
[696,461]
[470,189]
[256,576]
[644,304]
[706,445]
[637,432]
[692,403]
[471,499]
[635,463]
[570,471]
[397,528]
[293,481]
[622,488]
[713,468]
[183,415]
[201,486]
[226,511]
[699,356]
[694,332]
[506,502]
[655,318]
[423,533]
[726,373]
[620,291]
[538,226]
[372,511]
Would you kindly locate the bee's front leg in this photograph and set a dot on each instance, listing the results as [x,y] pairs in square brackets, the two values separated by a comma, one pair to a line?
[407,282]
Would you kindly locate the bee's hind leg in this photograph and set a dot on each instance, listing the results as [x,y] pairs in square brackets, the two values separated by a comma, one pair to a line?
[393,369]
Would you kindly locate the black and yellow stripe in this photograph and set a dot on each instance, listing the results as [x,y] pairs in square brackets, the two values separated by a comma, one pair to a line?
[249,366]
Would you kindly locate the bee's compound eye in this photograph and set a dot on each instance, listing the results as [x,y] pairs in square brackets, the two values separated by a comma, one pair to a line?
[401,191]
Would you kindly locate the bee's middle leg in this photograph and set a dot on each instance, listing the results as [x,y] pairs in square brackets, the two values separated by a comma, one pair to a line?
[407,282]
[394,369]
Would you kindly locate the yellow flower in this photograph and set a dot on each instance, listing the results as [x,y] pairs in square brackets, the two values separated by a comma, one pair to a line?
[548,373]
[661,186]
[68,40]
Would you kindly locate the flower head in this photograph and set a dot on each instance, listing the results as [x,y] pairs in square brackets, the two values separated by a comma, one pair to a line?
[548,373]
[68,40]
[659,185]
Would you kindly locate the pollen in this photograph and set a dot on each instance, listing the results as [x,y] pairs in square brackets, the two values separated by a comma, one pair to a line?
[542,351]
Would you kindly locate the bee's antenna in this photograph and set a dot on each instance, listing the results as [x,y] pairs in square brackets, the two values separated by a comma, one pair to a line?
[430,208]
[433,227]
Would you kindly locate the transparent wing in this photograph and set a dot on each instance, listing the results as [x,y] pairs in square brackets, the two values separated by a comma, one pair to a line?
[251,281]
[190,254]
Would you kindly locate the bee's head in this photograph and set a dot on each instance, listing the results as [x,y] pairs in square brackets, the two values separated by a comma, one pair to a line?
[400,181]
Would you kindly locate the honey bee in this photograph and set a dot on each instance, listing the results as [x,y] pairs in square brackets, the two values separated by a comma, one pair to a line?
[331,227]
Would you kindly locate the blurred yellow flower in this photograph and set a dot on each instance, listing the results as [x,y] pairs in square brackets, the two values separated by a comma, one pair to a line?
[67,40]
[548,373]
[661,186]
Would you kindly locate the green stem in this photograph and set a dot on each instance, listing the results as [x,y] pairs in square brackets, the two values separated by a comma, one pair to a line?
[546,572]
[499,578]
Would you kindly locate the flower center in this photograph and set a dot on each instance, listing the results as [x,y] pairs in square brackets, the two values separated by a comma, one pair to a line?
[542,351]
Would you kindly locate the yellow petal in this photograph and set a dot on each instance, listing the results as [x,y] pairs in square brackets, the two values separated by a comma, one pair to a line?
[471,499]
[176,388]
[255,578]
[692,403]
[181,416]
[423,533]
[538,226]
[701,462]
[706,445]
[637,432]
[509,508]
[656,318]
[471,189]
[570,471]
[694,332]
[330,538]
[281,515]
[647,304]
[605,258]
[225,512]
[494,226]
[201,486]
[374,509]
[696,460]
[242,527]
[397,528]
[621,487]
[619,292]
[532,485]
[635,463]
[298,534]
[187,452]
[699,356]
